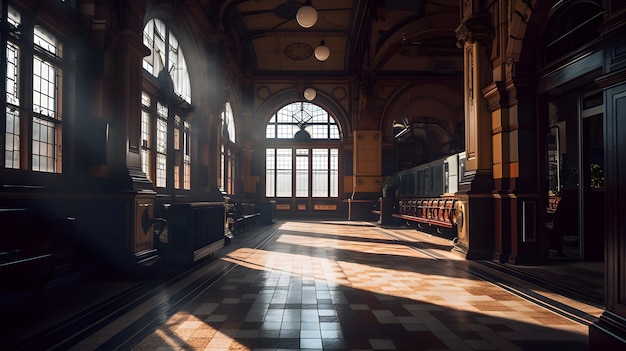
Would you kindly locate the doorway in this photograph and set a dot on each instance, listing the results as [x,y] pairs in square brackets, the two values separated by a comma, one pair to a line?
[575,154]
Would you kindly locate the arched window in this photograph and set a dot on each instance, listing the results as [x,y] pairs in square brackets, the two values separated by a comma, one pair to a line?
[157,37]
[227,164]
[302,157]
[574,27]
[165,132]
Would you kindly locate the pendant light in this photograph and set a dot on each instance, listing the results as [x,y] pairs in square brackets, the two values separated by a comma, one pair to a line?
[306,15]
[310,94]
[322,52]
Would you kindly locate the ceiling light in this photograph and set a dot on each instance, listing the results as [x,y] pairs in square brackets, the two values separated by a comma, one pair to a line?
[322,52]
[306,15]
[309,94]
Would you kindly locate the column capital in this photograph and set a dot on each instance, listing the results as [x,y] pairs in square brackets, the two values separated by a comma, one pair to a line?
[475,28]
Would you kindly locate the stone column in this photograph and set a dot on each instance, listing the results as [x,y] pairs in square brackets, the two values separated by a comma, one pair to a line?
[518,204]
[121,198]
[366,170]
[475,206]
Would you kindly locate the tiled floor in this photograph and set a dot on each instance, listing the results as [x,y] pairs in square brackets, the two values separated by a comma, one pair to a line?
[339,286]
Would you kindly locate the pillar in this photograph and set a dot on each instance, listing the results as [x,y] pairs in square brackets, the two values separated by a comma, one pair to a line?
[475,221]
[366,170]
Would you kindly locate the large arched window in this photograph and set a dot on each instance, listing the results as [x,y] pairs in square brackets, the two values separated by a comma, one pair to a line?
[302,157]
[166,99]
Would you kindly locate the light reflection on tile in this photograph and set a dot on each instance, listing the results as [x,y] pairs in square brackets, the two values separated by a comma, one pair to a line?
[326,286]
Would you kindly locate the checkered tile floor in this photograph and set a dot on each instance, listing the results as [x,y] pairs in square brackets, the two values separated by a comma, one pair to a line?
[332,286]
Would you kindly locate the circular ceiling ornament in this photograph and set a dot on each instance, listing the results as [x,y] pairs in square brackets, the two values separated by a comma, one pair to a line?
[263,92]
[339,93]
[298,51]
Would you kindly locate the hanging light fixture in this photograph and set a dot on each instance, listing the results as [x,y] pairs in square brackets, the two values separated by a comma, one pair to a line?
[306,15]
[310,94]
[322,52]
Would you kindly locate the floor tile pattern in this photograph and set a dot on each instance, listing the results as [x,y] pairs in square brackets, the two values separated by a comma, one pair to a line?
[325,286]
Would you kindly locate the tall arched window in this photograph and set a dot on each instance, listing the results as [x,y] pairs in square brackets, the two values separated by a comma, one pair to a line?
[166,102]
[302,157]
[227,161]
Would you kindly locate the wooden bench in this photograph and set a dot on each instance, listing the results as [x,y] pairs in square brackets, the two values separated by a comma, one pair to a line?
[433,211]
[34,248]
[242,215]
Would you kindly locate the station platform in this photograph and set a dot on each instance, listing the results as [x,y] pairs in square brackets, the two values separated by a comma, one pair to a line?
[319,285]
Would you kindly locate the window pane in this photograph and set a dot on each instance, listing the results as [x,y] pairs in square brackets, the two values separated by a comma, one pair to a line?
[270,172]
[270,131]
[178,70]
[177,133]
[334,132]
[12,139]
[286,131]
[302,173]
[334,172]
[161,136]
[46,41]
[44,145]
[320,173]
[161,146]
[14,17]
[145,143]
[228,121]
[161,170]
[187,157]
[12,74]
[283,172]
[44,90]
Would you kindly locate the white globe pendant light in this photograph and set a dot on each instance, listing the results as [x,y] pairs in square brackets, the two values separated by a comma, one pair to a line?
[310,94]
[322,52]
[306,15]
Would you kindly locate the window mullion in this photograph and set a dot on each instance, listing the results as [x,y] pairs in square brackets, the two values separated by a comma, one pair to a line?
[311,175]
[328,157]
[26,44]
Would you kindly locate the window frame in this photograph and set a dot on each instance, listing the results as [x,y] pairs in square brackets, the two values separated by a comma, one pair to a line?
[33,138]
[169,142]
[296,145]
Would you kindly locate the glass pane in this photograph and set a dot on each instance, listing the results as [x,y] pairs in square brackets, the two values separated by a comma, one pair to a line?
[302,173]
[12,74]
[334,172]
[161,169]
[320,173]
[270,172]
[283,172]
[12,139]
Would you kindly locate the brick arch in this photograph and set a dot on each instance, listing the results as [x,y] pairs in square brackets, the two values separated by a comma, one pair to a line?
[527,19]
[446,106]
[521,11]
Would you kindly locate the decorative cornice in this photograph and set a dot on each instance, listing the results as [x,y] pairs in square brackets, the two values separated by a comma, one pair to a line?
[475,28]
